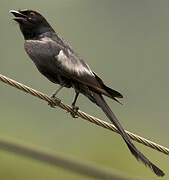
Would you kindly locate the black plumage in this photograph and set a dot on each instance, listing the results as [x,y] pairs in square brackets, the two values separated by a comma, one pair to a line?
[56,60]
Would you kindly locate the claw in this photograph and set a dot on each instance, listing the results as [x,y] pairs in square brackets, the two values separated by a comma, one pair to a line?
[57,102]
[75,110]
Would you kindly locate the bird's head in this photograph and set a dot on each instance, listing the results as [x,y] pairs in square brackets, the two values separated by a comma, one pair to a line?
[31,23]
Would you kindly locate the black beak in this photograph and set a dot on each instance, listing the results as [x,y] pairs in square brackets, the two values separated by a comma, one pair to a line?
[19,17]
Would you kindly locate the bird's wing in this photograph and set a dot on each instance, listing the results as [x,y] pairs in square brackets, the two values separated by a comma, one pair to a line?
[75,68]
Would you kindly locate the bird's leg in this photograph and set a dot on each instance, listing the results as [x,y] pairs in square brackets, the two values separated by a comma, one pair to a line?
[55,92]
[53,96]
[75,108]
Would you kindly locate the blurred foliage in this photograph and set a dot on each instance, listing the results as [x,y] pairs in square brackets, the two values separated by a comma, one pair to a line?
[126,43]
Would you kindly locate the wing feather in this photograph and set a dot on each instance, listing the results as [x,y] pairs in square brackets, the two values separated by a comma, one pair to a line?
[77,69]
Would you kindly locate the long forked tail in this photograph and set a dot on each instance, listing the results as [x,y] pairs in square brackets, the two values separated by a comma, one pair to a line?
[138,155]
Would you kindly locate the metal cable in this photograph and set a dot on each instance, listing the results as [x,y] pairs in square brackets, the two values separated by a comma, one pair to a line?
[81,114]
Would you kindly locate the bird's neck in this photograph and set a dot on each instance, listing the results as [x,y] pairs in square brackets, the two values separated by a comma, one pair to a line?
[33,34]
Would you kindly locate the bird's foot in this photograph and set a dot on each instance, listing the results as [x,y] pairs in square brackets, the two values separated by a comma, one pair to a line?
[56,101]
[75,110]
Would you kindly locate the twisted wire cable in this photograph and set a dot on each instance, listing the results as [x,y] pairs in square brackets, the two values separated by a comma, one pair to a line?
[81,114]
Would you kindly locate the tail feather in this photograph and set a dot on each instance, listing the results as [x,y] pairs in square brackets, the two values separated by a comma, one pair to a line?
[138,155]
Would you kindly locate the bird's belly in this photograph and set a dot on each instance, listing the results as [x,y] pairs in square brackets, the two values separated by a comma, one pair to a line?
[50,71]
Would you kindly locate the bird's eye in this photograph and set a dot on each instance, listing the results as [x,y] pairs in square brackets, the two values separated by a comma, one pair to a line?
[32,14]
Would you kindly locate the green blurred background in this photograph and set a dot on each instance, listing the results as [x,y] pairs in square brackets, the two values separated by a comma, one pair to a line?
[127,43]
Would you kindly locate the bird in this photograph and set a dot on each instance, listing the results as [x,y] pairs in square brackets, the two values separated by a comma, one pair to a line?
[59,63]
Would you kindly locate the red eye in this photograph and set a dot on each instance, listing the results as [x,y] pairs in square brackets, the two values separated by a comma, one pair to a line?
[32,14]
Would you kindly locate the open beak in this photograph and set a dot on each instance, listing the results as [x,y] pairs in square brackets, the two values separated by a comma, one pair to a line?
[19,17]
